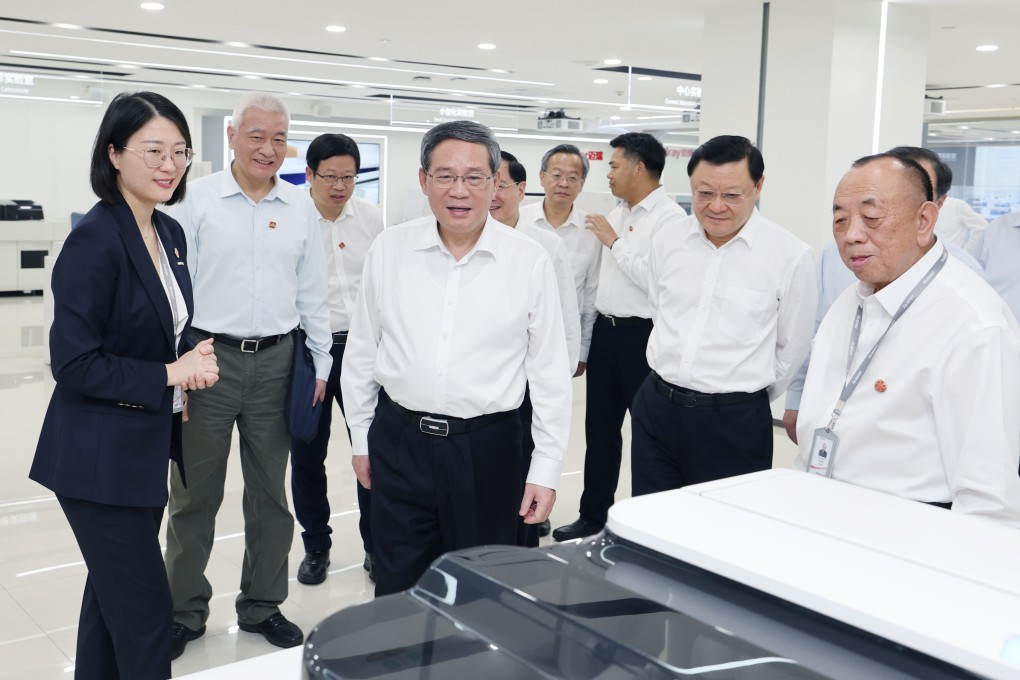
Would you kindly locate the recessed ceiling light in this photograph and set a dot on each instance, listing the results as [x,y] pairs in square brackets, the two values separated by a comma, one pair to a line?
[234,43]
[625,108]
[486,46]
[74,96]
[71,26]
[543,101]
[644,77]
[964,127]
[358,87]
[498,70]
[152,6]
[600,81]
[612,62]
[997,85]
[251,77]
[336,29]
[986,48]
[1015,132]
[933,134]
[199,87]
[378,59]
[614,118]
[126,66]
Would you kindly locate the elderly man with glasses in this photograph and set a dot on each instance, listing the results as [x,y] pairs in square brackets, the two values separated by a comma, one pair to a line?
[455,316]
[733,301]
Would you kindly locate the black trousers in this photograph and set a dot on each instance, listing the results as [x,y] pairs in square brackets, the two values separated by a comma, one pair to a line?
[126,610]
[673,445]
[616,367]
[308,474]
[527,534]
[434,494]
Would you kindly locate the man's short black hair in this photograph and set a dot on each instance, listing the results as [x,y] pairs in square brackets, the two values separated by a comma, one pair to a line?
[126,115]
[517,171]
[914,170]
[329,145]
[943,173]
[729,149]
[641,147]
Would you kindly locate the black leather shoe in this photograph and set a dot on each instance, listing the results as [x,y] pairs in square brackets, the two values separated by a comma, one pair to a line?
[313,568]
[277,630]
[544,528]
[578,529]
[369,566]
[180,636]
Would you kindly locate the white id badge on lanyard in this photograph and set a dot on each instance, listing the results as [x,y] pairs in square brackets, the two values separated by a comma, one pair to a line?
[823,452]
[178,399]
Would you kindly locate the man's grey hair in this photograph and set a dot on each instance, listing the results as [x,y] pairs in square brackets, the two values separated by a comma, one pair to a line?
[462,130]
[569,149]
[261,101]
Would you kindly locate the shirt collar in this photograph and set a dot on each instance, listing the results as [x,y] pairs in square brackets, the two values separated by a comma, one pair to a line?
[748,233]
[347,212]
[486,242]
[230,187]
[649,201]
[893,295]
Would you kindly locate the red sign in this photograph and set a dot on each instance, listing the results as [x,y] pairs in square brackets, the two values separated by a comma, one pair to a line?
[594,155]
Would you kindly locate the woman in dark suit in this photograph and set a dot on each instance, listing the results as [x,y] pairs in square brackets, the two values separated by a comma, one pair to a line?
[121,360]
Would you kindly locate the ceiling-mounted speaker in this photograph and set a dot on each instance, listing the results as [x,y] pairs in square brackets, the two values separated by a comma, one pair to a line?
[934,107]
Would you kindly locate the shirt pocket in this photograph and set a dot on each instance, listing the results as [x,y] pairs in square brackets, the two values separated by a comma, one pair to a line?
[742,311]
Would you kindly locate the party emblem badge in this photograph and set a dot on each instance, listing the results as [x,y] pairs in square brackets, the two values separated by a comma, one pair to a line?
[272,225]
[880,386]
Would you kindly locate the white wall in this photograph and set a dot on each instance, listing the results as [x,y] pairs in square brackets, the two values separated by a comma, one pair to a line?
[48,146]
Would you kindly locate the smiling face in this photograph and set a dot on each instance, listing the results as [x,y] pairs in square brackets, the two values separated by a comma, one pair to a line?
[560,191]
[881,221]
[459,208]
[506,202]
[141,185]
[725,215]
[330,199]
[259,141]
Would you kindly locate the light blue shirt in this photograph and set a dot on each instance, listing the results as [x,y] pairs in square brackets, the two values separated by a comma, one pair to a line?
[257,268]
[833,277]
[998,250]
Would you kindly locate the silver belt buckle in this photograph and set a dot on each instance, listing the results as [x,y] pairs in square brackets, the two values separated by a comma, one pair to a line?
[612,320]
[434,426]
[254,342]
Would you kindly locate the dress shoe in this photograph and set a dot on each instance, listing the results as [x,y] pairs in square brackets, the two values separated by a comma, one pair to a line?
[578,529]
[180,636]
[313,568]
[277,630]
[544,529]
[369,566]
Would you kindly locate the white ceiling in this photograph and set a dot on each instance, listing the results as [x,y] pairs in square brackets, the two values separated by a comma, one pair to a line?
[550,51]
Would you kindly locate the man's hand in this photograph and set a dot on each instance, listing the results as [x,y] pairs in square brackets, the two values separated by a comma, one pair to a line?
[581,365]
[362,470]
[537,503]
[603,231]
[320,392]
[790,423]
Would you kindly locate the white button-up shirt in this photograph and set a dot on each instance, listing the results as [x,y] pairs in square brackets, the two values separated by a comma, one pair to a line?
[345,241]
[737,318]
[585,252]
[565,287]
[460,338]
[257,268]
[623,281]
[943,425]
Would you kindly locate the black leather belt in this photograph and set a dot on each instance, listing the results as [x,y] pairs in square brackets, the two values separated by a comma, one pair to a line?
[624,320]
[692,399]
[246,345]
[443,426]
[340,338]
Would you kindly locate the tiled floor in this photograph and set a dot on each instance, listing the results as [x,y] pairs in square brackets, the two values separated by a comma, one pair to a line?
[41,572]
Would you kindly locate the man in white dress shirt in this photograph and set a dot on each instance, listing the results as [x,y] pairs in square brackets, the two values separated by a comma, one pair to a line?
[454,318]
[505,208]
[733,300]
[915,371]
[347,225]
[564,170]
[256,263]
[617,364]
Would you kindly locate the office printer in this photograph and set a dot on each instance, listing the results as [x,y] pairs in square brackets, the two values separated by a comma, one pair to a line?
[20,210]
